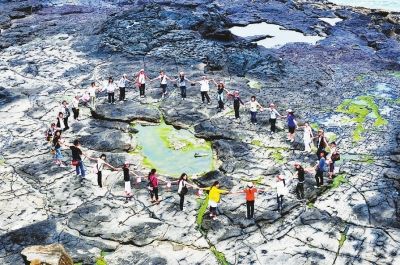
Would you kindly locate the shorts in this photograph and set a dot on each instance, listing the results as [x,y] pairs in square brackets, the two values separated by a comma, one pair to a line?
[212,203]
[292,129]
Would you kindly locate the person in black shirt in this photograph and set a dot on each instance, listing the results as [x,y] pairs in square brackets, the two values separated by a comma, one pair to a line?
[236,103]
[322,142]
[77,159]
[300,177]
[127,180]
[220,96]
[57,147]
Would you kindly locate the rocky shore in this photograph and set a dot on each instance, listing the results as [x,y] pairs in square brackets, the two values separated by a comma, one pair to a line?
[348,84]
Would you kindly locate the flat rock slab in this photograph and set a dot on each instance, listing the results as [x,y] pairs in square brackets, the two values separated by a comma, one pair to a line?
[127,112]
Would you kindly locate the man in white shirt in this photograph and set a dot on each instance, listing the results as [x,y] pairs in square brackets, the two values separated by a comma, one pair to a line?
[122,85]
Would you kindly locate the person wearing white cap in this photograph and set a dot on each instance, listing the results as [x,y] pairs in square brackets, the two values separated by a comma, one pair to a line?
[182,84]
[141,82]
[250,192]
[292,124]
[281,190]
[273,115]
[122,85]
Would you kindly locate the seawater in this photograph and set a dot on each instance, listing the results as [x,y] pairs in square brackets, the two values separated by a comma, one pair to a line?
[156,143]
[390,5]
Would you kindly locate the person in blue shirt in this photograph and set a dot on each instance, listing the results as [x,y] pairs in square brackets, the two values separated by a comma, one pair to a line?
[320,168]
[292,124]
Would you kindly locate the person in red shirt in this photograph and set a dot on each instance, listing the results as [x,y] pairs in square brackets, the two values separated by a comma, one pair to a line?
[250,192]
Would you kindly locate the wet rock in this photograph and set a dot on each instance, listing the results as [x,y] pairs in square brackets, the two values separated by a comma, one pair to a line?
[17,15]
[126,112]
[107,140]
[5,21]
[209,178]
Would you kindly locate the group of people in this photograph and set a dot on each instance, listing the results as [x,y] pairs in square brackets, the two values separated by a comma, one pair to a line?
[326,160]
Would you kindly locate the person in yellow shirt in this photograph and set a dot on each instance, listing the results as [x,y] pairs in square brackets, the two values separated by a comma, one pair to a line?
[214,198]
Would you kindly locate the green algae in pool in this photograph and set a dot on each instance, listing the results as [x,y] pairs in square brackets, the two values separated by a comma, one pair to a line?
[172,151]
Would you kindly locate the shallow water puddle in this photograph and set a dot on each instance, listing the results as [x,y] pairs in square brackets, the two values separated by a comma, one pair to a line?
[279,36]
[172,151]
[393,5]
[331,21]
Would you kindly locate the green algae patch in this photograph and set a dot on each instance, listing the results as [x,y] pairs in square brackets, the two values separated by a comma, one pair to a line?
[219,256]
[342,239]
[256,143]
[173,151]
[361,109]
[256,181]
[337,181]
[310,205]
[254,84]
[361,77]
[396,74]
[278,157]
[331,136]
[202,211]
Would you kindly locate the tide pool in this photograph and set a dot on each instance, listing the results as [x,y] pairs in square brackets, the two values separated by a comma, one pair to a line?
[172,151]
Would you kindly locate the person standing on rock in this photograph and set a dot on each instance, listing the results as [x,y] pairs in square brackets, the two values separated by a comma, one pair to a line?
[307,137]
[140,80]
[322,142]
[281,191]
[182,189]
[57,142]
[127,181]
[214,198]
[332,157]
[273,116]
[77,159]
[75,107]
[100,163]
[254,106]
[220,96]
[182,84]
[300,175]
[51,132]
[163,82]
[122,85]
[236,103]
[66,113]
[292,124]
[153,186]
[60,121]
[111,87]
[250,192]
[205,88]
[320,168]
[92,94]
